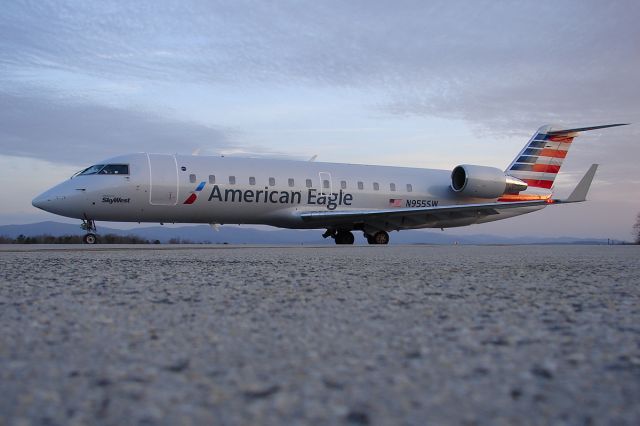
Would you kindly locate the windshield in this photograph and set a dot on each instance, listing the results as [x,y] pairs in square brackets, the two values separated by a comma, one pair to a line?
[104,169]
[90,170]
[115,169]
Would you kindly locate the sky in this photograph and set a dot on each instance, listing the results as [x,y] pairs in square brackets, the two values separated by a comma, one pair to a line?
[406,83]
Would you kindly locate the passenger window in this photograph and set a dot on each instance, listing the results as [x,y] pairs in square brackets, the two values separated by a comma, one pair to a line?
[360,185]
[192,178]
[272,181]
[409,188]
[252,180]
[115,169]
[232,180]
[212,179]
[392,186]
[291,182]
[343,184]
[325,184]
[376,186]
[308,183]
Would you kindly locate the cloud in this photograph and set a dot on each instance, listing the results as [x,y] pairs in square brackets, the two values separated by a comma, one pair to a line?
[77,133]
[500,65]
[504,68]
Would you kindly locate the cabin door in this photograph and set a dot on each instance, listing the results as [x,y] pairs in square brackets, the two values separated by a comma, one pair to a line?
[163,179]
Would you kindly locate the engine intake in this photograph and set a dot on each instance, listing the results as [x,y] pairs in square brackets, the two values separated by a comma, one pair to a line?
[484,182]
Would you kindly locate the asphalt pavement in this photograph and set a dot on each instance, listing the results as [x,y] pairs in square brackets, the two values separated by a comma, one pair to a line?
[320,335]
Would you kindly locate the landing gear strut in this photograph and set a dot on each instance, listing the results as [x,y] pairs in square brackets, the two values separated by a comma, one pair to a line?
[90,237]
[380,237]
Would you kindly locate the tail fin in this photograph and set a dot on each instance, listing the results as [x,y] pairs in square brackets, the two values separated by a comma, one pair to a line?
[540,160]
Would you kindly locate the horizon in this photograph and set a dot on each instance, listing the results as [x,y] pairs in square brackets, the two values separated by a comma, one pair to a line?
[431,85]
[408,236]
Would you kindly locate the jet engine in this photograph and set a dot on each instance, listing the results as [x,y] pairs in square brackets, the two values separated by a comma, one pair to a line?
[484,182]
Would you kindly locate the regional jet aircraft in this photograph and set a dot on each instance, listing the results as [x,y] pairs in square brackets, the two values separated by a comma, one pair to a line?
[340,198]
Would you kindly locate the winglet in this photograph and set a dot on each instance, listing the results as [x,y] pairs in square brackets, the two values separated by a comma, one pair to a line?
[579,194]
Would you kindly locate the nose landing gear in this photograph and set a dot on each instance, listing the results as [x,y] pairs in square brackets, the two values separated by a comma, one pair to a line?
[90,237]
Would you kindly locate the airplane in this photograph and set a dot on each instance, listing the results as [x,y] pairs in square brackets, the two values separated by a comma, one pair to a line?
[340,198]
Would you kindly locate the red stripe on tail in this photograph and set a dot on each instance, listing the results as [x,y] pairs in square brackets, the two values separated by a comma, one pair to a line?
[553,153]
[565,139]
[539,183]
[545,168]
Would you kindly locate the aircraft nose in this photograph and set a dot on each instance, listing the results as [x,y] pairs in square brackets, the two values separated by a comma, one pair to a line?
[50,201]
[63,199]
[39,202]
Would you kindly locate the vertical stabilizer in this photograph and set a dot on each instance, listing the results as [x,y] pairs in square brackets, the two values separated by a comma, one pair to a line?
[540,160]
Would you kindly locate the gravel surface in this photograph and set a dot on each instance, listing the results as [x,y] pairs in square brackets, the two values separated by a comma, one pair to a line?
[320,335]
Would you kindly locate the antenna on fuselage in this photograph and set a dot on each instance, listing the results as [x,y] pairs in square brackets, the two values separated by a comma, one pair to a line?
[313,158]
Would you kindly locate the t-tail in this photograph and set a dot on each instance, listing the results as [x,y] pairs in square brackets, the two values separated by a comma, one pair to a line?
[540,161]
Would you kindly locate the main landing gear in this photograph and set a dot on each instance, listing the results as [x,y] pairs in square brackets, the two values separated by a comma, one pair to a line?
[340,236]
[90,237]
[380,237]
[346,237]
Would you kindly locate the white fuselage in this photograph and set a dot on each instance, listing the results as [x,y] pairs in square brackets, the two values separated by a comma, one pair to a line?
[206,189]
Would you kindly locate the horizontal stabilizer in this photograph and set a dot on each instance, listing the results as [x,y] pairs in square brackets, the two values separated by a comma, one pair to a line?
[580,192]
[584,129]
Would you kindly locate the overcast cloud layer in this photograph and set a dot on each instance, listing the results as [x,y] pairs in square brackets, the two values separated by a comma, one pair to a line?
[42,128]
[85,80]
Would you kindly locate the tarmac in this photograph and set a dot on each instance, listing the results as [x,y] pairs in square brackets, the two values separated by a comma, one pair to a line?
[396,335]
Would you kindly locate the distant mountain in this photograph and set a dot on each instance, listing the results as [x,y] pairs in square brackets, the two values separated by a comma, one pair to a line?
[233,234]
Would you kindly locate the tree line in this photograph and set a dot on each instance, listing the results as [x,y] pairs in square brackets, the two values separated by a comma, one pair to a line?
[75,239]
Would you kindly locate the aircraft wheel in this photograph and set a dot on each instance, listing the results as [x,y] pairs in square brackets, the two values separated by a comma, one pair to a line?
[344,237]
[89,239]
[349,238]
[380,237]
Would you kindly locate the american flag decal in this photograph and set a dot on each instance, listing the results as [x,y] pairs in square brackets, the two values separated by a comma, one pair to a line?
[395,202]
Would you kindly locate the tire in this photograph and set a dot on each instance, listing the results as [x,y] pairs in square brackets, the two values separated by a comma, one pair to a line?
[349,238]
[381,237]
[345,237]
[90,239]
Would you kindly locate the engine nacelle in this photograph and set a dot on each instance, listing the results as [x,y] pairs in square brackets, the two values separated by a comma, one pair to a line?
[484,182]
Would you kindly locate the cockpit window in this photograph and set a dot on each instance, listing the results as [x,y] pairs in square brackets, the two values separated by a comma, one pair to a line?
[115,169]
[105,169]
[92,170]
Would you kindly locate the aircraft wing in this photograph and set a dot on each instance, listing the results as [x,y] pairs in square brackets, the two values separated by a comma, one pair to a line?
[407,217]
